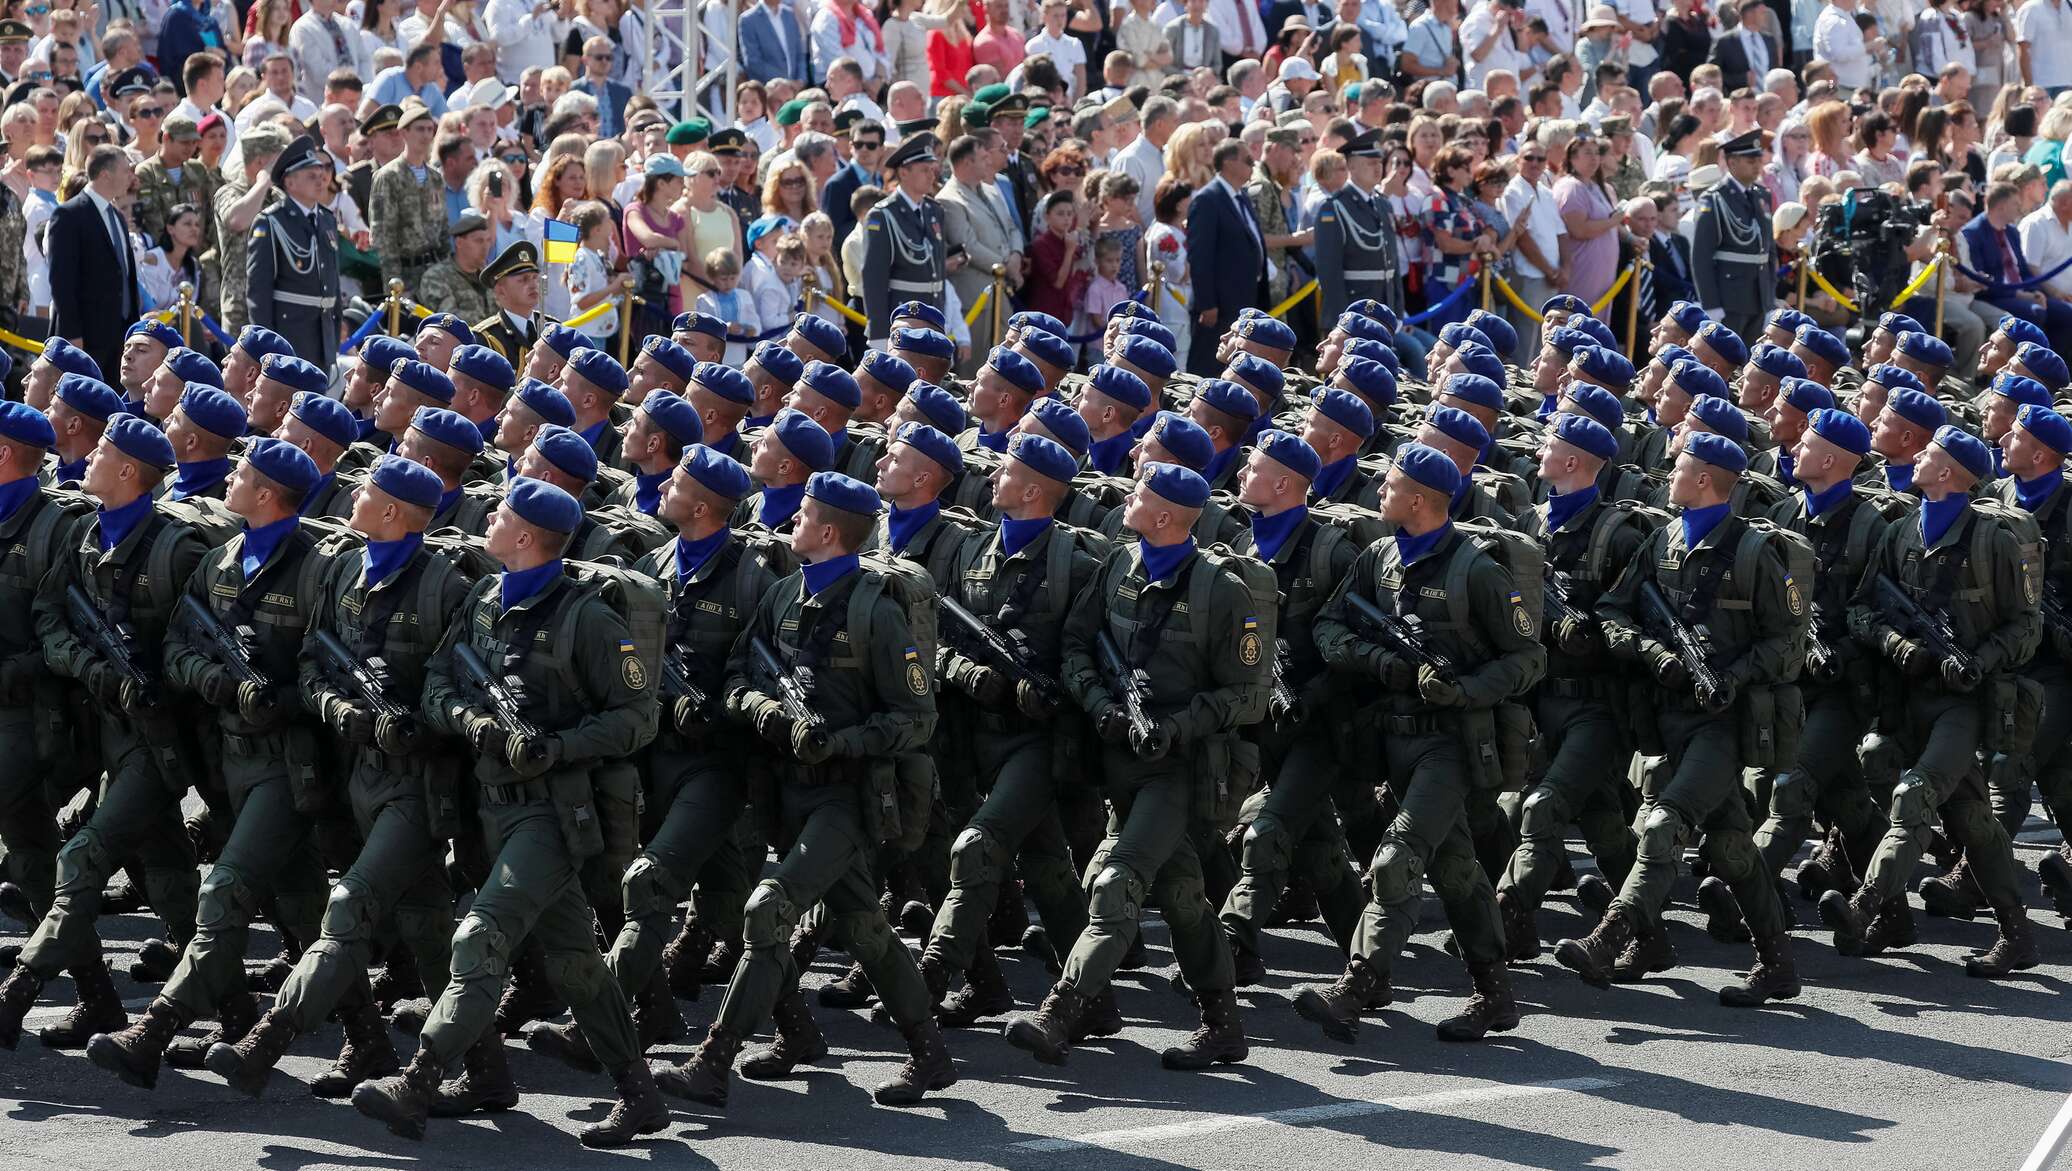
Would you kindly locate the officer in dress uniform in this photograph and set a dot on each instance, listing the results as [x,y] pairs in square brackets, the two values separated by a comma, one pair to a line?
[514,284]
[904,251]
[1731,253]
[1356,246]
[291,267]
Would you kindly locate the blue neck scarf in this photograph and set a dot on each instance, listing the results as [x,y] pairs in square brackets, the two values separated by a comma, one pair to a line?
[488,429]
[1331,477]
[526,583]
[117,523]
[260,544]
[1106,455]
[1785,467]
[903,524]
[1015,535]
[1547,404]
[2034,494]
[1161,562]
[71,473]
[1219,464]
[1938,515]
[193,479]
[757,422]
[647,490]
[1818,503]
[822,574]
[691,556]
[446,502]
[1563,507]
[385,559]
[1416,549]
[992,440]
[595,432]
[16,494]
[365,428]
[310,499]
[725,444]
[1899,477]
[1698,523]
[1270,533]
[779,505]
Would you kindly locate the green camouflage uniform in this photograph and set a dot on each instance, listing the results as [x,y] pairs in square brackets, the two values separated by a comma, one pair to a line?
[408,219]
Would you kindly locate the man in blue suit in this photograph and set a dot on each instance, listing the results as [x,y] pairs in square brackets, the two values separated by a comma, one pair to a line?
[597,82]
[1227,254]
[866,146]
[1996,252]
[772,44]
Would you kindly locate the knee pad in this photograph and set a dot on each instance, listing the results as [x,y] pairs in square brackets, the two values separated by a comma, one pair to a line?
[480,951]
[225,898]
[1183,900]
[576,975]
[1659,834]
[1544,814]
[1266,849]
[1791,796]
[977,858]
[349,912]
[1395,873]
[82,862]
[865,935]
[1117,895]
[1913,803]
[644,889]
[768,918]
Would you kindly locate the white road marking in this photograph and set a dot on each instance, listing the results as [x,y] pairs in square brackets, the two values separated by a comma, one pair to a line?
[1328,1112]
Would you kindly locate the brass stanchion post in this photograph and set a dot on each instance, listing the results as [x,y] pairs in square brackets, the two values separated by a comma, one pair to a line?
[1943,258]
[1157,285]
[1804,264]
[1488,275]
[1641,264]
[394,308]
[626,303]
[187,314]
[997,296]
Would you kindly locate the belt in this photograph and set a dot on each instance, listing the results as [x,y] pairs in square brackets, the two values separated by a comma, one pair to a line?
[1366,274]
[263,744]
[429,256]
[915,286]
[515,793]
[1426,724]
[1577,688]
[1003,722]
[313,302]
[1739,258]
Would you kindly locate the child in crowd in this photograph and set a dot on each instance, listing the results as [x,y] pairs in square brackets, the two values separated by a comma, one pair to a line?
[589,275]
[1166,244]
[818,232]
[726,302]
[1106,290]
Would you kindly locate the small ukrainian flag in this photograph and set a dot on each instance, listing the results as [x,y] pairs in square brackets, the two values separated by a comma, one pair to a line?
[562,241]
[1251,622]
[626,645]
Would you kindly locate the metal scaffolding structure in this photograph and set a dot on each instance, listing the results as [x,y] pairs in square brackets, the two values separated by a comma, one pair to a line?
[676,42]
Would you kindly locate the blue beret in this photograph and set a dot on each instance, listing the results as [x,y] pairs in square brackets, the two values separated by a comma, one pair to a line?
[724,381]
[1382,352]
[382,352]
[563,340]
[159,331]
[1183,487]
[567,451]
[674,414]
[1717,450]
[2044,363]
[1064,423]
[1787,319]
[283,463]
[1926,349]
[1258,372]
[1806,395]
[1042,343]
[933,444]
[1044,456]
[542,505]
[23,423]
[451,323]
[1586,433]
[1697,379]
[1148,354]
[1899,323]
[704,323]
[1822,344]
[1346,409]
[1369,307]
[674,358]
[1459,426]
[424,378]
[600,370]
[1669,354]
[446,427]
[1598,403]
[259,341]
[408,481]
[2021,390]
[1567,301]
[805,439]
[844,492]
[1271,332]
[1502,337]
[2046,425]
[1480,359]
[1155,330]
[1487,393]
[1370,378]
[933,343]
[214,411]
[822,334]
[1597,331]
[89,396]
[326,416]
[73,360]
[294,373]
[923,310]
[1895,378]
[1043,321]
[1917,408]
[2021,329]
[546,400]
[1291,453]
[1721,417]
[135,437]
[1019,371]
[1130,307]
[1360,325]
[1567,341]
[1724,342]
[1120,385]
[890,370]
[1777,361]
[721,475]
[938,406]
[1968,450]
[187,366]
[1842,429]
[1228,397]
[1430,467]
[1604,367]
[833,383]
[1183,439]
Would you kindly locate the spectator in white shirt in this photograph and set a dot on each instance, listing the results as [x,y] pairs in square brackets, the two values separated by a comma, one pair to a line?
[321,40]
[1237,23]
[846,28]
[1838,41]
[1490,38]
[526,33]
[1431,49]
[1528,200]
[277,74]
[2047,239]
[1065,50]
[2043,44]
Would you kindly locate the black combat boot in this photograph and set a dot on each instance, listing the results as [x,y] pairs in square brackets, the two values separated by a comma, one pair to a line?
[1849,917]
[1047,1032]
[399,980]
[1102,1017]
[135,1053]
[1592,956]
[1298,903]
[155,960]
[2056,872]
[935,976]
[1645,954]
[985,993]
[1774,976]
[852,989]
[403,1102]
[1892,928]
[530,995]
[723,959]
[14,903]
[1220,1039]
[484,1085]
[565,1043]
[99,1009]
[270,975]
[1827,869]
[1036,944]
[1492,1009]
[684,955]
[1521,927]
[410,1016]
[235,1016]
[1723,918]
[366,1054]
[17,996]
[639,1110]
[1249,971]
[1954,895]
[799,1041]
[704,1077]
[1136,956]
[656,1020]
[1010,918]
[928,1067]
[2014,951]
[1595,894]
[1336,1007]
[249,1063]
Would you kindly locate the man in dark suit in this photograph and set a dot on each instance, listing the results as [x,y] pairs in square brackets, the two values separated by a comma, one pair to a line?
[1227,254]
[773,44]
[1745,54]
[1669,280]
[596,81]
[1009,118]
[93,268]
[866,147]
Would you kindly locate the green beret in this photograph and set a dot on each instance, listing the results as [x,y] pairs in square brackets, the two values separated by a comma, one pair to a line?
[690,132]
[788,113]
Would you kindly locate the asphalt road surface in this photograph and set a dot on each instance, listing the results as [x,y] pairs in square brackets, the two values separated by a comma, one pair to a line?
[1896,1063]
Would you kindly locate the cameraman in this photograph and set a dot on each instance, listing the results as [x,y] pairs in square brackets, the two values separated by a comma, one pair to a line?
[1996,252]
